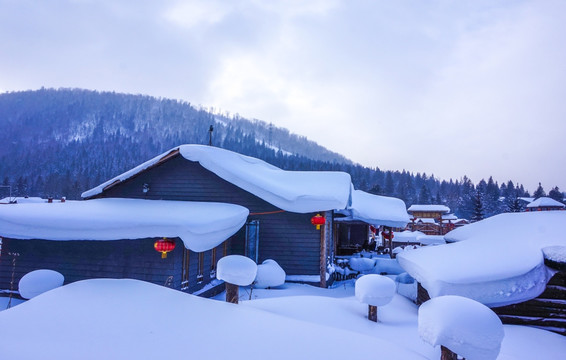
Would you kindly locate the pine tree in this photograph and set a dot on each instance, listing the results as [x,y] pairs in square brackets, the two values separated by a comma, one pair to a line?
[478,211]
[556,194]
[424,195]
[539,192]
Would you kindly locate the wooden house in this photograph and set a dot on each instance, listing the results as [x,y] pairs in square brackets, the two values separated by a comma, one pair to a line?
[430,219]
[281,205]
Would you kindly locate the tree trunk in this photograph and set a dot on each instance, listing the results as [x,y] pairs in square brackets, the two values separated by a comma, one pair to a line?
[372,313]
[447,354]
[232,293]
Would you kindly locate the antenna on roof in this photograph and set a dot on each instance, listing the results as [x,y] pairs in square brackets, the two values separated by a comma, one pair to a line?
[210,130]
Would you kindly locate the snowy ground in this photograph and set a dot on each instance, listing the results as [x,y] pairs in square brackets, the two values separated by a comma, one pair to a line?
[119,319]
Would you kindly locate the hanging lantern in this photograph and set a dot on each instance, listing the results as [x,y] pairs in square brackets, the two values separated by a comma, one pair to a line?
[318,220]
[372,229]
[164,246]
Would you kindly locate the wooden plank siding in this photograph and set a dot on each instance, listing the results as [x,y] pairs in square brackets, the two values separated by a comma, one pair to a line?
[288,238]
[80,260]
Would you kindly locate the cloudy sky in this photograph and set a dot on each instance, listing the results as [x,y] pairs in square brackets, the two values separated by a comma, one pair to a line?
[449,88]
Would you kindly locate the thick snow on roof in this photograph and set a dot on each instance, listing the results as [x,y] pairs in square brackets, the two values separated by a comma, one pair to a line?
[295,191]
[201,226]
[378,210]
[497,261]
[440,208]
[545,201]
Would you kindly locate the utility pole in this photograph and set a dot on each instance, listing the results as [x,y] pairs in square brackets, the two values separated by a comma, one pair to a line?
[210,130]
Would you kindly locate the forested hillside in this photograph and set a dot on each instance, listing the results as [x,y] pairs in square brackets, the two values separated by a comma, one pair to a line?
[63,142]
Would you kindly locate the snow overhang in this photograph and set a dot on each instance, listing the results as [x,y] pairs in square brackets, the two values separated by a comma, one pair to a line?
[201,226]
[378,210]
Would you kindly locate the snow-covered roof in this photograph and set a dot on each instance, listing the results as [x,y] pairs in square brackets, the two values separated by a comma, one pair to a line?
[425,220]
[431,208]
[21,200]
[545,202]
[294,191]
[449,217]
[201,226]
[378,210]
[497,261]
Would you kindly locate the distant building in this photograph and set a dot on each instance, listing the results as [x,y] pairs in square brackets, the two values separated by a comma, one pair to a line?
[431,219]
[545,204]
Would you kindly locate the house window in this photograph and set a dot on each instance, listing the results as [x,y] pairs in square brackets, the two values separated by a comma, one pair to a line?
[185,277]
[200,265]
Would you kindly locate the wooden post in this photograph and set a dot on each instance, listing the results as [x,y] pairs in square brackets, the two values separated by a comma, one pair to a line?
[372,313]
[232,293]
[447,354]
[323,254]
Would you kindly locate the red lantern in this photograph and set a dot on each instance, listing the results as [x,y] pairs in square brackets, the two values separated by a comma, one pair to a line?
[388,236]
[372,229]
[164,246]
[318,220]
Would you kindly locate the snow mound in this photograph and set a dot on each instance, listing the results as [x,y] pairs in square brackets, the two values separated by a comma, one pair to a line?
[236,269]
[362,264]
[375,289]
[269,274]
[467,327]
[39,281]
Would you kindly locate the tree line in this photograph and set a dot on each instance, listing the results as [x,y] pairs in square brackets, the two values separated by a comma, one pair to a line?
[62,142]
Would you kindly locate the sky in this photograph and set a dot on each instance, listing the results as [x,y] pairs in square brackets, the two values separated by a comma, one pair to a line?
[449,88]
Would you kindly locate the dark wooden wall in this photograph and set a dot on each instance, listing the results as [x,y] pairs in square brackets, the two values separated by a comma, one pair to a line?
[548,311]
[79,260]
[288,238]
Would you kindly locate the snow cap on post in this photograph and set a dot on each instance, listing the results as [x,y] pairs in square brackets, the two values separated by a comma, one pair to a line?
[375,290]
[465,326]
[39,281]
[236,269]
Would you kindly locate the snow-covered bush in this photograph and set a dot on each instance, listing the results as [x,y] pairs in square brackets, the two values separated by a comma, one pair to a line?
[374,290]
[269,274]
[404,278]
[38,282]
[236,269]
[388,266]
[465,326]
[362,264]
